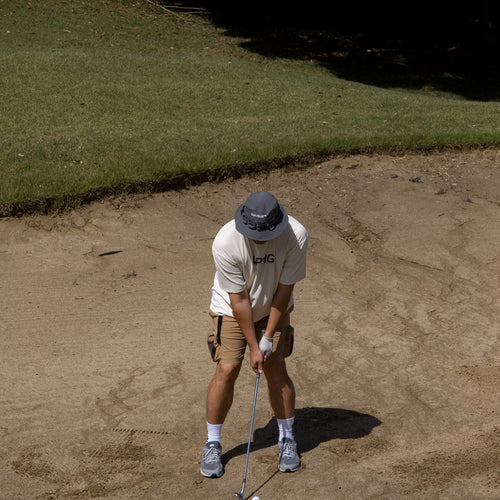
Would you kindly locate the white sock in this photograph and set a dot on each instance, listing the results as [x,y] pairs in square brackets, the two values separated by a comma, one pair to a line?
[285,427]
[214,432]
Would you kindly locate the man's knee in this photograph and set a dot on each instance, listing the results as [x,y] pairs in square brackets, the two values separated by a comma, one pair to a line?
[275,371]
[227,373]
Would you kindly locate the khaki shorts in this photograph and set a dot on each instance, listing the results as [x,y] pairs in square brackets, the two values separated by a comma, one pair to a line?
[227,344]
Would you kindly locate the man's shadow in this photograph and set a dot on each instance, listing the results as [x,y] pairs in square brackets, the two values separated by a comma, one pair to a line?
[313,425]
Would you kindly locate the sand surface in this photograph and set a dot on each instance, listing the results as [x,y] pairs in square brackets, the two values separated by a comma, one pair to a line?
[104,316]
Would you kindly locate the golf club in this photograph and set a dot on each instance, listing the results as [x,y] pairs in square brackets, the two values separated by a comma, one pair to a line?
[240,494]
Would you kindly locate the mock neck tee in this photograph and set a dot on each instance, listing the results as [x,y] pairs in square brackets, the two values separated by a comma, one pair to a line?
[241,264]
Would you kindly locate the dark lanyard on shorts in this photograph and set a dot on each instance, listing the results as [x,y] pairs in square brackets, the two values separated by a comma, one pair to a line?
[219,328]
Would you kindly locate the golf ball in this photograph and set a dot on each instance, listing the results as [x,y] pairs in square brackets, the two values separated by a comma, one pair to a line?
[256,498]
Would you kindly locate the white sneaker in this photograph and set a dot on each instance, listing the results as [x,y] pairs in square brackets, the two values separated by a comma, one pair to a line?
[289,460]
[211,465]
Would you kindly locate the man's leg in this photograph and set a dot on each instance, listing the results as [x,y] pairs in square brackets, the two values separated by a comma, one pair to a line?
[281,388]
[219,399]
[282,399]
[220,392]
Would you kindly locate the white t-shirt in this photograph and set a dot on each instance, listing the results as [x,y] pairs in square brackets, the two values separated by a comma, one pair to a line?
[241,264]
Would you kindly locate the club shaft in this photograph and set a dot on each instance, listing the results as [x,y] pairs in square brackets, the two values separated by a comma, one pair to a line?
[250,433]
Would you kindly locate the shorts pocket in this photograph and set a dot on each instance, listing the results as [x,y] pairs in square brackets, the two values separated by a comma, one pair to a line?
[290,337]
[212,346]
[211,349]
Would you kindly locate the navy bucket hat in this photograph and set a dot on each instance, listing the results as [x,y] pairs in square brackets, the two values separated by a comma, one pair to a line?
[261,217]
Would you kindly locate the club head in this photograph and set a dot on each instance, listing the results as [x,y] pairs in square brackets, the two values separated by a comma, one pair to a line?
[239,495]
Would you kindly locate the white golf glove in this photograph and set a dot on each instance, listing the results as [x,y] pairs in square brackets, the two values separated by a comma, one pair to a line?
[266,345]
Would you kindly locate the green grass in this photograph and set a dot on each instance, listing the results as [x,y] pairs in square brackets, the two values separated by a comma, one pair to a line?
[108,96]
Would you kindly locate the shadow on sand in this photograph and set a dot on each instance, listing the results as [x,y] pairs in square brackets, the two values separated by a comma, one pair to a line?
[313,425]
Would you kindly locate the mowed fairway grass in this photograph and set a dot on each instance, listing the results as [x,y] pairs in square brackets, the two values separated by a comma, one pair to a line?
[102,96]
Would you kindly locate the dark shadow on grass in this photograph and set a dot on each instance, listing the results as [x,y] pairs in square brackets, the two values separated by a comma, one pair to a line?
[445,46]
[313,426]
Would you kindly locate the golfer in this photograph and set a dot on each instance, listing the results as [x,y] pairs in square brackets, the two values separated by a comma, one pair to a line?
[259,256]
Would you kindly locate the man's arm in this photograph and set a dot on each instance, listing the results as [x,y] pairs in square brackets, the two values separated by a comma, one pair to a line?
[279,307]
[242,308]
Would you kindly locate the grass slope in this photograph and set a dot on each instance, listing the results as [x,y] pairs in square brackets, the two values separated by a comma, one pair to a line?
[107,96]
